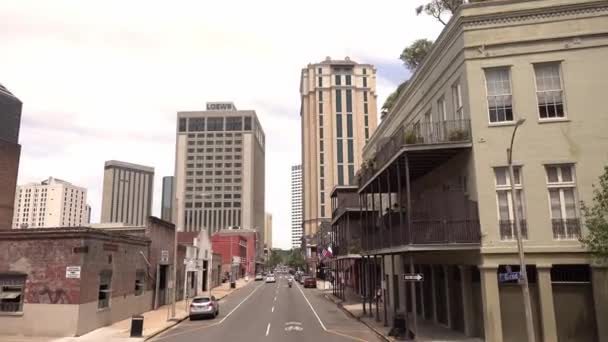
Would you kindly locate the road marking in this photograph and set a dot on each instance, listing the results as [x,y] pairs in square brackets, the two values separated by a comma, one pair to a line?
[275,298]
[311,308]
[272,309]
[267,329]
[243,301]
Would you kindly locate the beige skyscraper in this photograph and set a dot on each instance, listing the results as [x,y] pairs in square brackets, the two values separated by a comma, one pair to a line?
[339,114]
[268,231]
[127,193]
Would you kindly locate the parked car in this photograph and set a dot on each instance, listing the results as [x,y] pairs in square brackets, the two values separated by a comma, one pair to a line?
[270,278]
[259,276]
[310,282]
[203,306]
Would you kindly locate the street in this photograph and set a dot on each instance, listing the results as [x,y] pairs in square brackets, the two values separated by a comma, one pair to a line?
[273,312]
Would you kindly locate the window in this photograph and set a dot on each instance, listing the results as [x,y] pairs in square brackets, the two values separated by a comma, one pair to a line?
[338,125]
[351,152]
[105,289]
[320,107]
[562,201]
[234,123]
[320,81]
[504,201]
[11,292]
[340,175]
[348,80]
[338,79]
[320,96]
[321,133]
[338,101]
[365,81]
[248,123]
[182,124]
[140,282]
[349,125]
[339,151]
[498,86]
[457,101]
[196,124]
[349,101]
[364,71]
[215,124]
[549,90]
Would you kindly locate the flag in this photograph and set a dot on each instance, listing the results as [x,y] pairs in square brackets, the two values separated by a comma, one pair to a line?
[329,251]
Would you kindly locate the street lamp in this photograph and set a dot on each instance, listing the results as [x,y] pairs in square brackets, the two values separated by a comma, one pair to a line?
[520,248]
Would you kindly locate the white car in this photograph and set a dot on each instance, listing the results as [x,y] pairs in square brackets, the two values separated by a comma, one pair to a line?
[259,276]
[271,279]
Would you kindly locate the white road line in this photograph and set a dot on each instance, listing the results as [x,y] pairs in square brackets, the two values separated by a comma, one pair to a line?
[311,308]
[267,329]
[243,301]
[275,298]
[272,309]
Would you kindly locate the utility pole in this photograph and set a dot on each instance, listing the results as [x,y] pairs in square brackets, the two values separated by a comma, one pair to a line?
[523,280]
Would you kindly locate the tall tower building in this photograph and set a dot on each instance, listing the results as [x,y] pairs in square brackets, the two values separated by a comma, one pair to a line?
[10,150]
[219,170]
[50,203]
[296,206]
[127,193]
[268,231]
[166,208]
[339,114]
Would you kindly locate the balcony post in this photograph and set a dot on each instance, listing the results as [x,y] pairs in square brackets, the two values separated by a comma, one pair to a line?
[370,288]
[384,289]
[363,277]
[409,225]
[399,194]
[373,213]
[376,288]
[380,213]
[390,209]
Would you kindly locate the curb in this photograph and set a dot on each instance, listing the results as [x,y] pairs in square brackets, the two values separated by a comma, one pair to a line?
[376,331]
[178,321]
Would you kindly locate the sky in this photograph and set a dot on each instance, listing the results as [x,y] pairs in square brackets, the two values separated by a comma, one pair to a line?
[102,80]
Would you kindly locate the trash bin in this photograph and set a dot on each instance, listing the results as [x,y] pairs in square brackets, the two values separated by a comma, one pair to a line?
[233,285]
[137,326]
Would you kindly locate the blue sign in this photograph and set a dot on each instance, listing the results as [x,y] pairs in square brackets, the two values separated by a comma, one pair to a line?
[509,276]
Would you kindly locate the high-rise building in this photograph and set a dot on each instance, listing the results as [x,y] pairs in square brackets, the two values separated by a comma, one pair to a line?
[219,170]
[127,193]
[339,114]
[166,209]
[10,150]
[50,203]
[296,206]
[268,231]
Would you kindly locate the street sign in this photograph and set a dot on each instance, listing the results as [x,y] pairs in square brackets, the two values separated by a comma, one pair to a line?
[413,277]
[72,272]
[509,276]
[164,256]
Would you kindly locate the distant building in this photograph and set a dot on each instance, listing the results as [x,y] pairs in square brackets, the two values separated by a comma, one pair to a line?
[166,209]
[50,203]
[238,249]
[296,206]
[88,214]
[219,170]
[339,115]
[127,193]
[268,231]
[10,150]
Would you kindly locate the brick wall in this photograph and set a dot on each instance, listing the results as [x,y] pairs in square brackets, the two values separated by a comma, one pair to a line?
[9,166]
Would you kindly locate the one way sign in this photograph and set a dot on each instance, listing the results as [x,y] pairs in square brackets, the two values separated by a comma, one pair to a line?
[413,277]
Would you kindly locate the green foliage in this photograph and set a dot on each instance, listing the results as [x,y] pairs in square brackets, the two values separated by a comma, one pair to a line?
[392,98]
[295,259]
[436,7]
[275,259]
[596,220]
[458,135]
[414,54]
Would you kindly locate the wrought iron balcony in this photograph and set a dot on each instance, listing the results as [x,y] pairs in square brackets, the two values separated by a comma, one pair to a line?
[446,132]
[508,230]
[566,228]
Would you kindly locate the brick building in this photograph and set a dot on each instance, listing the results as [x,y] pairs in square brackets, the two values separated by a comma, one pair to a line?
[10,150]
[79,279]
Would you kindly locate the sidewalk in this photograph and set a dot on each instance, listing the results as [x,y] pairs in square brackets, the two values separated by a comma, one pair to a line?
[427,331]
[155,322]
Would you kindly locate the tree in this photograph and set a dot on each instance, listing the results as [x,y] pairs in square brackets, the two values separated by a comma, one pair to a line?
[436,7]
[414,54]
[275,259]
[295,259]
[596,219]
[392,98]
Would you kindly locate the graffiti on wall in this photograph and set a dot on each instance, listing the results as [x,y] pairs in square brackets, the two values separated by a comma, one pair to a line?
[46,295]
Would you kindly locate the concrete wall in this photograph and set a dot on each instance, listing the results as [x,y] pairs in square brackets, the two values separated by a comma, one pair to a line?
[42,320]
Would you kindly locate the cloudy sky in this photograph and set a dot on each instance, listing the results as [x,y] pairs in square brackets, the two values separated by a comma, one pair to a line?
[103,80]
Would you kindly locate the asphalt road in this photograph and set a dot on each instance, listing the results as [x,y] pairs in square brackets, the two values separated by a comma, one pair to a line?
[273,312]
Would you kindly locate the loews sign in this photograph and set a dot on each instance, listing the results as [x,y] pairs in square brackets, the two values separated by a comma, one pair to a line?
[220,106]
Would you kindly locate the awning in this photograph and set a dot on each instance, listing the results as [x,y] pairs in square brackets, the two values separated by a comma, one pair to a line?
[10,295]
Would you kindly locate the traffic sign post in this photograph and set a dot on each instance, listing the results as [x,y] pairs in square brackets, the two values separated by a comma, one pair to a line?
[413,277]
[509,276]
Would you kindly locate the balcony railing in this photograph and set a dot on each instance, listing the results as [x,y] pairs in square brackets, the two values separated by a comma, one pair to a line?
[424,232]
[508,230]
[420,133]
[566,228]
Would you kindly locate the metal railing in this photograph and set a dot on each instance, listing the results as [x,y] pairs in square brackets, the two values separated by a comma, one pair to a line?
[423,232]
[566,228]
[419,133]
[508,230]
[10,307]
